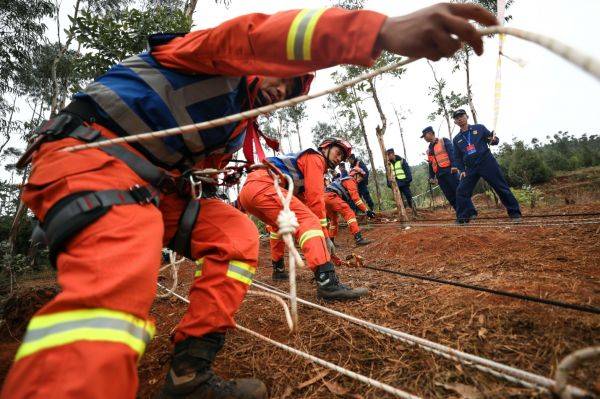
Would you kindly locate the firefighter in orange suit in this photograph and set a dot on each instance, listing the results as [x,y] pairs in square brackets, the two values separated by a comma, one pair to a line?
[106,212]
[307,170]
[338,195]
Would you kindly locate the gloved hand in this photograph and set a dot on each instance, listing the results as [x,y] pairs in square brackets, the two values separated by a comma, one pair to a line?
[370,214]
[330,246]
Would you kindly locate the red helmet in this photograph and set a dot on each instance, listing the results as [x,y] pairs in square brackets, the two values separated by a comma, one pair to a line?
[356,171]
[343,144]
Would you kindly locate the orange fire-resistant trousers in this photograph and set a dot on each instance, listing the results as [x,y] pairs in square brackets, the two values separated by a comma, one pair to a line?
[108,274]
[335,205]
[276,243]
[258,197]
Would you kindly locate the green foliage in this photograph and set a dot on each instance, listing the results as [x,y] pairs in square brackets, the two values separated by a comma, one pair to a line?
[22,27]
[118,35]
[523,165]
[444,102]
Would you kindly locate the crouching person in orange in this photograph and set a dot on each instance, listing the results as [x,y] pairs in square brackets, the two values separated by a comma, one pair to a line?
[108,211]
[307,169]
[338,195]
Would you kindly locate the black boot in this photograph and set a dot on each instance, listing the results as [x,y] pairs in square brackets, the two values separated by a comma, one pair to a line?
[359,240]
[191,377]
[329,286]
[279,272]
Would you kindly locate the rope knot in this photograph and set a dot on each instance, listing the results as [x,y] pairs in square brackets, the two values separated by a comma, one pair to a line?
[287,222]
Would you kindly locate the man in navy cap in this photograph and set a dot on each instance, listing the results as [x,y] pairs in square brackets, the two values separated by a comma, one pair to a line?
[474,160]
[402,173]
[442,166]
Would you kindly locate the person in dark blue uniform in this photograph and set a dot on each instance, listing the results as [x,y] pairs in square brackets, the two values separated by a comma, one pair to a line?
[402,173]
[442,166]
[363,186]
[474,160]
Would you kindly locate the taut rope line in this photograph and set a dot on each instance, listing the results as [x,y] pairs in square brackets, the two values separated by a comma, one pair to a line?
[585,62]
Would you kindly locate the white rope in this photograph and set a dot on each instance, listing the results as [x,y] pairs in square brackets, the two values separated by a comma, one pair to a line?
[585,62]
[287,223]
[332,366]
[369,381]
[174,266]
[569,362]
[286,309]
[509,373]
[506,224]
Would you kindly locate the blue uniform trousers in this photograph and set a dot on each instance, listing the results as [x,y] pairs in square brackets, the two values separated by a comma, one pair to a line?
[448,184]
[405,190]
[363,191]
[489,170]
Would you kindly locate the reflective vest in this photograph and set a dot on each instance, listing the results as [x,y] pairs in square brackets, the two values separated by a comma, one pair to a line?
[399,170]
[288,165]
[337,187]
[439,156]
[141,96]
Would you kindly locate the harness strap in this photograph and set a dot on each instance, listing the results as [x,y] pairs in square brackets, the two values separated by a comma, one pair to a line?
[75,212]
[182,240]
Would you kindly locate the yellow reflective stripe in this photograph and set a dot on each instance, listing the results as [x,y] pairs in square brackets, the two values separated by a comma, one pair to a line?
[199,263]
[241,271]
[352,220]
[308,235]
[323,222]
[274,236]
[48,331]
[299,39]
[359,202]
[291,38]
[309,34]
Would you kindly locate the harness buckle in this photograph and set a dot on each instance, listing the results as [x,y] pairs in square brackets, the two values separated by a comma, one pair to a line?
[144,194]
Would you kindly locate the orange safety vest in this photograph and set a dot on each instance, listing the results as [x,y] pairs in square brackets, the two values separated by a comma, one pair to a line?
[438,158]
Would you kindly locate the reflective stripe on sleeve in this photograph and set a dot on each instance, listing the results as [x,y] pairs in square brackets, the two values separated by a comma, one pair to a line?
[52,330]
[299,39]
[308,234]
[241,271]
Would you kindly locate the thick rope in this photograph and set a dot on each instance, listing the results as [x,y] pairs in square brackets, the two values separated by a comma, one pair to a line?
[507,225]
[508,373]
[174,268]
[287,223]
[585,62]
[286,310]
[515,295]
[569,362]
[531,216]
[369,381]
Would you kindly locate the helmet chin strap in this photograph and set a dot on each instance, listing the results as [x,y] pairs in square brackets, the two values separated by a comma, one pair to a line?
[329,163]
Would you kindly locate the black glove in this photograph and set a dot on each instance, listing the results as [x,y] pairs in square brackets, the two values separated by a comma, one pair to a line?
[370,214]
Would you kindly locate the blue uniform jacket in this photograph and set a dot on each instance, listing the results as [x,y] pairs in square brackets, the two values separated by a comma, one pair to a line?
[476,135]
[450,151]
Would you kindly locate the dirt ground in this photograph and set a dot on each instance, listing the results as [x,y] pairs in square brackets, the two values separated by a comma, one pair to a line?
[554,262]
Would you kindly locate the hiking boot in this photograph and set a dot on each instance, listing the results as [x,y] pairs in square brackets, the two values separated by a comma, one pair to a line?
[330,288]
[191,376]
[279,272]
[359,240]
[515,218]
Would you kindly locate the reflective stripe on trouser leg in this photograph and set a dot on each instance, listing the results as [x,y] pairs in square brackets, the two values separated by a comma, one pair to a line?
[51,330]
[225,242]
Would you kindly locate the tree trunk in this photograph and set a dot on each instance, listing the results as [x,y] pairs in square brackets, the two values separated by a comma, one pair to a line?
[299,138]
[380,131]
[61,52]
[401,134]
[189,8]
[8,125]
[441,100]
[469,91]
[369,152]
